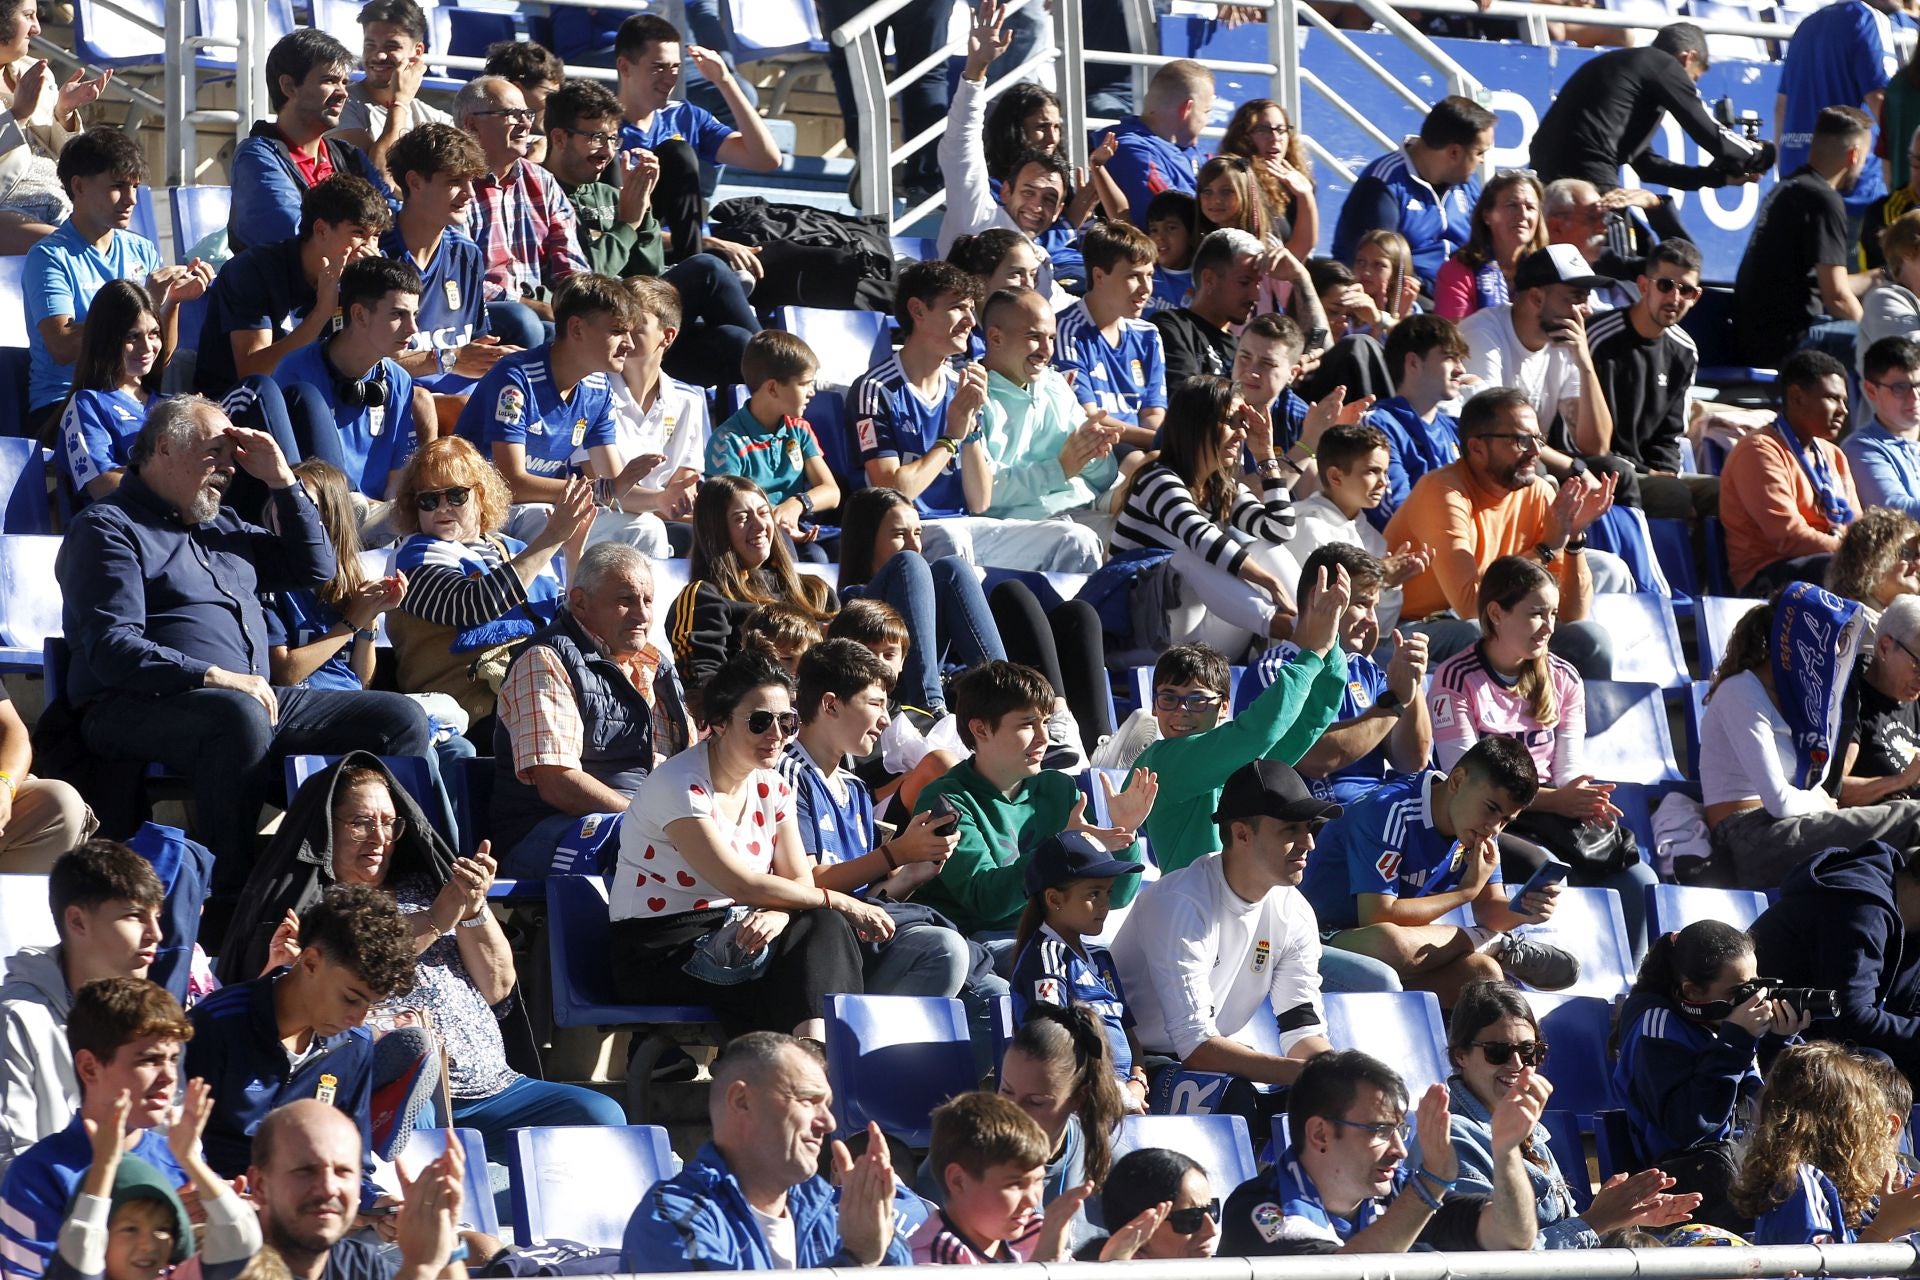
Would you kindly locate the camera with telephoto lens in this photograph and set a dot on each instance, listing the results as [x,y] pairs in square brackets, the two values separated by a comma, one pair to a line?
[1747,152]
[1820,1003]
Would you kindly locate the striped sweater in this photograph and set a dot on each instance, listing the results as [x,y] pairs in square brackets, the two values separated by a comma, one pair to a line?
[1161,512]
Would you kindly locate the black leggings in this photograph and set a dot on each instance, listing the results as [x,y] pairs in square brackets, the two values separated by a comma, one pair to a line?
[1066,646]
[816,956]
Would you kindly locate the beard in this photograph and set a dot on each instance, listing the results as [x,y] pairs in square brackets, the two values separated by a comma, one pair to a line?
[206,502]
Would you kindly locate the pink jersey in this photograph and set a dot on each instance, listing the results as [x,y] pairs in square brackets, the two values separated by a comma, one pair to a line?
[1469,700]
[938,1244]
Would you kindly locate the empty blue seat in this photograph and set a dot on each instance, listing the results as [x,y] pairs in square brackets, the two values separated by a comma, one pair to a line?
[1588,923]
[29,598]
[1646,639]
[1576,1030]
[23,485]
[846,343]
[106,36]
[1717,616]
[893,1059]
[1570,1153]
[914,248]
[1218,1144]
[1672,907]
[1628,739]
[1401,1028]
[198,212]
[562,1178]
[772,28]
[412,772]
[424,1146]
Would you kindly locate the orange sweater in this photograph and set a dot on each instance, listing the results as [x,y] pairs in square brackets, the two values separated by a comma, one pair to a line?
[1769,507]
[1469,526]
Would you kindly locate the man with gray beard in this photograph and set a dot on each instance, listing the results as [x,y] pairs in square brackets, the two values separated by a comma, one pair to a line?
[161,586]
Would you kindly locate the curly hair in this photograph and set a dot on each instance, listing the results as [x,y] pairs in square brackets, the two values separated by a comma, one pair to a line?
[1821,1106]
[360,928]
[451,462]
[1238,141]
[1868,551]
[1004,138]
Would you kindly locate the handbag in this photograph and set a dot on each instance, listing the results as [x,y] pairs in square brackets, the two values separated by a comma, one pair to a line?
[1593,851]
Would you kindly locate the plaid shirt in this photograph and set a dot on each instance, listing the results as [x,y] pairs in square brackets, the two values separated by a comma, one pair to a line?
[537,705]
[524,224]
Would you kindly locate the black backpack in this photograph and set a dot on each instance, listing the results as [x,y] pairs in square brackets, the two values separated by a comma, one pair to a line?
[812,258]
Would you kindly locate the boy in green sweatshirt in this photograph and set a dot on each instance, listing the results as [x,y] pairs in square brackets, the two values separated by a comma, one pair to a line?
[1008,804]
[1196,754]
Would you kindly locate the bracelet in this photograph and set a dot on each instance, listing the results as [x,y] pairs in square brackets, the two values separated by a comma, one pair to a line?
[13,788]
[826,900]
[1445,1184]
[952,448]
[885,852]
[1426,1196]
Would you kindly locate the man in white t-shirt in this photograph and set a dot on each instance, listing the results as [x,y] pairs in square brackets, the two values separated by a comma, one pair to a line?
[656,414]
[385,106]
[1204,947]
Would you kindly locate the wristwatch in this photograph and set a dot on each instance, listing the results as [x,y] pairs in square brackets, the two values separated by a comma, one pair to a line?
[1577,543]
[805,499]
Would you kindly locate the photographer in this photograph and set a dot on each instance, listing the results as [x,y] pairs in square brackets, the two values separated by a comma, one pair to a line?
[1842,922]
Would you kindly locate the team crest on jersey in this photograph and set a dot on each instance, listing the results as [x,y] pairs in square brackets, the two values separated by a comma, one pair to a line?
[1047,991]
[795,458]
[1389,865]
[1267,1220]
[1262,952]
[376,419]
[579,432]
[452,289]
[1459,857]
[511,406]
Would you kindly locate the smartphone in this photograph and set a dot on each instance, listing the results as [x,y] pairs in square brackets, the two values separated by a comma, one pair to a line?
[380,1211]
[1552,871]
[946,818]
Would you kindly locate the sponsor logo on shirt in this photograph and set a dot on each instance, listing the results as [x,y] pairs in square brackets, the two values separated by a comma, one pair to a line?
[1268,1220]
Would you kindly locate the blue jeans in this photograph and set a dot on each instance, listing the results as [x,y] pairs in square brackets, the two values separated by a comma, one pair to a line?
[515,324]
[946,614]
[528,1103]
[1838,338]
[920,959]
[1351,971]
[716,322]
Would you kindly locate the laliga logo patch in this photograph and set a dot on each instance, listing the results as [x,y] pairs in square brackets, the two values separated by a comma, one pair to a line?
[510,406]
[1267,1220]
[1388,866]
[1047,991]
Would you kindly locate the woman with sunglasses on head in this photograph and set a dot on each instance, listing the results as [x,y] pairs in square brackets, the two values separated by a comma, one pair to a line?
[1276,153]
[1492,1037]
[1878,561]
[472,591]
[1507,226]
[713,897]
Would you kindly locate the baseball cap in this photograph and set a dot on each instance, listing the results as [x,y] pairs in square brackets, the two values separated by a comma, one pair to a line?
[1069,856]
[1557,264]
[1271,789]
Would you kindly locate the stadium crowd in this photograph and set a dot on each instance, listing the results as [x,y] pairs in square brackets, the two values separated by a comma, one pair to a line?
[483,477]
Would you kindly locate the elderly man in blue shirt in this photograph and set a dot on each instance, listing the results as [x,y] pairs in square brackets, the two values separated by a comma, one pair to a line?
[1885,452]
[161,586]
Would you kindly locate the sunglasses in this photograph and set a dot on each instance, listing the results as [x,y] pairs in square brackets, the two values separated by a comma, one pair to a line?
[430,500]
[1500,1052]
[1184,1222]
[761,721]
[1685,290]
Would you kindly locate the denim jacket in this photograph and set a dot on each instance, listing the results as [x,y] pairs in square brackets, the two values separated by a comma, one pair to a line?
[1472,1134]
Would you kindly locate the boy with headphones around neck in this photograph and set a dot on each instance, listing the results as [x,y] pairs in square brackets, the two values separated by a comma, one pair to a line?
[350,402]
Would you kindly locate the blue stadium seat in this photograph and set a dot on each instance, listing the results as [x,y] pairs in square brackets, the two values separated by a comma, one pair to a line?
[1588,923]
[1613,1144]
[1570,1153]
[1219,1144]
[197,213]
[1635,804]
[217,19]
[1646,640]
[471,31]
[106,38]
[1719,574]
[14,367]
[561,1177]
[583,995]
[144,223]
[1401,1028]
[1672,907]
[1143,684]
[847,343]
[413,772]
[24,918]
[1627,735]
[1673,548]
[1717,616]
[776,28]
[827,414]
[23,486]
[914,248]
[29,599]
[893,1059]
[1711,325]
[1576,1029]
[13,302]
[477,1208]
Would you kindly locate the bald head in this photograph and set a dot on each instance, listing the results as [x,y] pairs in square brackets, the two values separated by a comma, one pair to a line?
[302,1120]
[306,1180]
[1179,98]
[1019,327]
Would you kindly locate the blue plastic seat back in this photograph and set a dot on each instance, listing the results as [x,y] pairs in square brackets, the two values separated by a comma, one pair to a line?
[412,772]
[1576,1030]
[1218,1143]
[1569,1153]
[893,1059]
[1672,907]
[847,343]
[827,415]
[577,928]
[1401,1028]
[1718,615]
[765,29]
[1646,639]
[29,593]
[477,1212]
[1673,547]
[13,302]
[563,1179]
[197,213]
[25,920]
[1588,923]
[23,482]
[914,248]
[1628,739]
[109,39]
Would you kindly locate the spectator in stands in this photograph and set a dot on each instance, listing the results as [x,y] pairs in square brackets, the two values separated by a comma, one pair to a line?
[1228,270]
[1792,289]
[1426,357]
[1147,1179]
[105,900]
[270,301]
[1491,503]
[752,1199]
[1766,812]
[711,909]
[1242,945]
[1787,492]
[1342,1187]
[905,761]
[306,1157]
[1891,308]
[1509,684]
[1507,226]
[125,1035]
[1904,198]
[1169,221]
[307,76]
[997,258]
[1881,760]
[1822,1163]
[656,413]
[1269,350]
[384,105]
[990,1158]
[1008,803]
[101,171]
[1383,266]
[166,666]
[1353,463]
[737,565]
[472,591]
[1844,58]
[1492,1038]
[1690,1035]
[519,217]
[46,116]
[1381,726]
[434,168]
[1026,116]
[769,442]
[1261,133]
[116,376]
[1883,454]
[1114,357]
[684,136]
[1159,149]
[781,632]
[588,708]
[1426,190]
[538,72]
[1644,364]
[1191,501]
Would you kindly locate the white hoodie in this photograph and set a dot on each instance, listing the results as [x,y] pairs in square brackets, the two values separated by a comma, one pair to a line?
[38,1088]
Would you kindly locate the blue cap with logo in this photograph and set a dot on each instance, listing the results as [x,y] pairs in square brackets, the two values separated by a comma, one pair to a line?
[1070,856]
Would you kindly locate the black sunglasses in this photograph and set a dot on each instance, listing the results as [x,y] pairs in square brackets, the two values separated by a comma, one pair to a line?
[761,721]
[430,501]
[1187,1221]
[1500,1052]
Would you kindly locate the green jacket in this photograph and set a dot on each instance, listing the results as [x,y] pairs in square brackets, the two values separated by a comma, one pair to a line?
[980,887]
[615,248]
[1283,722]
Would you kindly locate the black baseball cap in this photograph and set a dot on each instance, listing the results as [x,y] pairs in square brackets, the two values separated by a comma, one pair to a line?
[1557,264]
[1271,789]
[1070,856]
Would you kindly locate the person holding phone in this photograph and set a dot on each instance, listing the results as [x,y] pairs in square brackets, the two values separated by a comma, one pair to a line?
[1508,683]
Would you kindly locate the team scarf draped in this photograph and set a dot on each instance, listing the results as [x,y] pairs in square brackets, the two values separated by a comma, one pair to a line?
[1815,637]
[1820,473]
[1490,287]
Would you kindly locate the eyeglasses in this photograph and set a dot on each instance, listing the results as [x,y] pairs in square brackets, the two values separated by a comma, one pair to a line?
[430,500]
[761,721]
[1276,130]
[1524,441]
[1167,701]
[368,828]
[1382,1131]
[1184,1222]
[1901,389]
[1500,1052]
[1903,648]
[594,139]
[1666,284]
[514,115]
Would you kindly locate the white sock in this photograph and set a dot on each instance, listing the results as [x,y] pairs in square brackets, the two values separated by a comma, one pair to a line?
[1485,940]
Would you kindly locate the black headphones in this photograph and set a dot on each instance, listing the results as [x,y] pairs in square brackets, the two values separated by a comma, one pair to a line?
[369,392]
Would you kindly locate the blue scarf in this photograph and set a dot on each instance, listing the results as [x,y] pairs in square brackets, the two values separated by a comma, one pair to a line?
[1490,287]
[1815,637]
[544,596]
[1826,485]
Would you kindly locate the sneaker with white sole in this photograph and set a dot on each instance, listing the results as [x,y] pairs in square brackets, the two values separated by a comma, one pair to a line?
[1539,965]
[1064,752]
